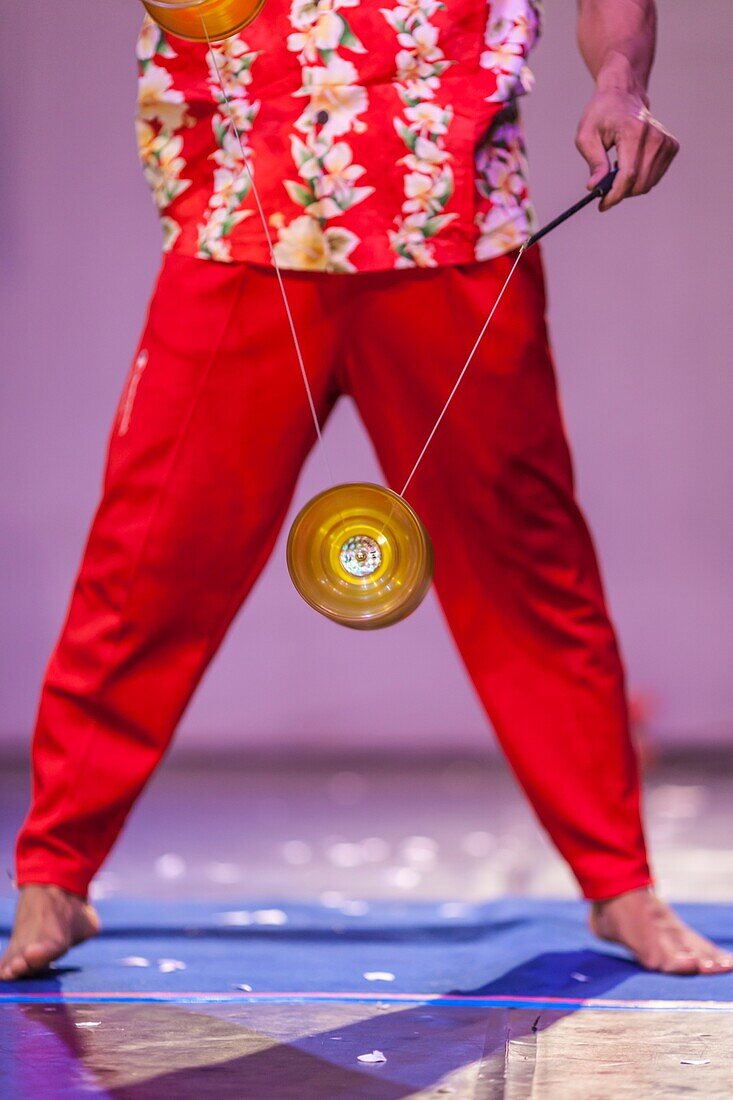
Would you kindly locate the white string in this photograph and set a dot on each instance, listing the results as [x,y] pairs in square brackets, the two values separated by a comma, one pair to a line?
[286,303]
[466,365]
[268,237]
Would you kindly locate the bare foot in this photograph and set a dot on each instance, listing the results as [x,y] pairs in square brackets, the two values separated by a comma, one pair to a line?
[656,936]
[48,921]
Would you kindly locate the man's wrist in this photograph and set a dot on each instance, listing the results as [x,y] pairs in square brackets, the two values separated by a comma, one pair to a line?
[617,74]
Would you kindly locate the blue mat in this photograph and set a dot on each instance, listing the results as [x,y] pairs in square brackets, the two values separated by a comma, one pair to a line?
[505,952]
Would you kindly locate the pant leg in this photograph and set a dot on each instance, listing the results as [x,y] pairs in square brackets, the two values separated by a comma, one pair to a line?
[516,570]
[210,435]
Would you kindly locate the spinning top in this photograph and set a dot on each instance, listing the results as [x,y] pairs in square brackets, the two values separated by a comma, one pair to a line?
[200,20]
[360,555]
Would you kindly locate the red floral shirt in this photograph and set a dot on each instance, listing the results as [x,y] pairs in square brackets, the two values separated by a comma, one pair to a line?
[381,133]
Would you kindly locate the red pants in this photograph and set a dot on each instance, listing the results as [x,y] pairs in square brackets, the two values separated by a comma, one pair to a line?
[211,433]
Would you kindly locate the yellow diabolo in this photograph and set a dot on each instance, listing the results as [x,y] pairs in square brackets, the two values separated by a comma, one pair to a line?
[360,555]
[199,20]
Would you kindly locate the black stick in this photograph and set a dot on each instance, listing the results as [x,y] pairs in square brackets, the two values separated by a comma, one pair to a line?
[600,190]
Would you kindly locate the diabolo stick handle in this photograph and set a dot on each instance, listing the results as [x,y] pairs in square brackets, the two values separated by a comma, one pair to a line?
[600,190]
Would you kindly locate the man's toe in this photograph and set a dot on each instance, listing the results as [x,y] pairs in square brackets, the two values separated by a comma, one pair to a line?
[683,962]
[38,956]
[716,964]
[15,967]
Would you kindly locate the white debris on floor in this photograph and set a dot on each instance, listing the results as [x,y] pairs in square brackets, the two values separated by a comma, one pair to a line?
[374,1059]
[269,917]
[135,960]
[169,966]
[379,976]
[88,1023]
[243,918]
[235,918]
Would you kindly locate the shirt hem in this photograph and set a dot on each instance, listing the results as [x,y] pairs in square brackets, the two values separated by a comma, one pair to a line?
[450,258]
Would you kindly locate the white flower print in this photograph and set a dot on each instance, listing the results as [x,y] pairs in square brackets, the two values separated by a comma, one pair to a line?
[158,100]
[171,232]
[328,176]
[426,153]
[512,30]
[321,30]
[230,66]
[428,118]
[501,171]
[332,89]
[501,178]
[428,182]
[410,243]
[161,118]
[162,163]
[152,42]
[306,13]
[501,231]
[421,44]
[305,246]
[147,43]
[419,191]
[504,181]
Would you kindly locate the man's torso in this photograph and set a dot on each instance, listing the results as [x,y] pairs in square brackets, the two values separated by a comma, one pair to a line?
[380,134]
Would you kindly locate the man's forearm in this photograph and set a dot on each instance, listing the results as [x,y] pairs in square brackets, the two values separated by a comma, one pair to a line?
[617,39]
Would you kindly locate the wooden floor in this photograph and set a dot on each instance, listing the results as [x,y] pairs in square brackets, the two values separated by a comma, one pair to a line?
[306,1052]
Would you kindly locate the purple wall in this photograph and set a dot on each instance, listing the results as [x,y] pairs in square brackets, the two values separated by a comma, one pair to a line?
[641,313]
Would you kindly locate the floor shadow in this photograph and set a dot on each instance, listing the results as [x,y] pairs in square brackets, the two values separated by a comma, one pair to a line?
[564,974]
[146,1051]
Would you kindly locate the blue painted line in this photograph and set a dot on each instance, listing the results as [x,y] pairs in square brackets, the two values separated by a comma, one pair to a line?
[546,1003]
